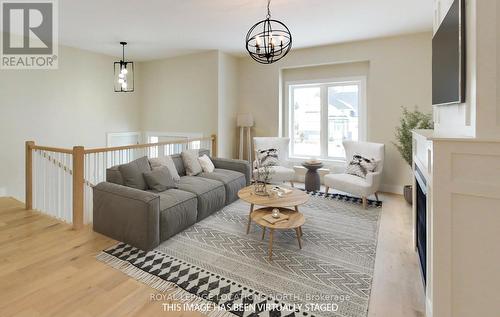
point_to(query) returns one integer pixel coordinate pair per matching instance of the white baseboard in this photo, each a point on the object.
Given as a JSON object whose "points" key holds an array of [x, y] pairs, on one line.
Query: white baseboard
{"points": [[393, 189], [3, 191]]}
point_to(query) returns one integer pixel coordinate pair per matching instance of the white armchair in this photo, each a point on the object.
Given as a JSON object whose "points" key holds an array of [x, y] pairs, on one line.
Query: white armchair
{"points": [[280, 173], [356, 185]]}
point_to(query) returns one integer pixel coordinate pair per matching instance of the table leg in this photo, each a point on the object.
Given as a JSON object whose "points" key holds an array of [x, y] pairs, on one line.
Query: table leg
{"points": [[263, 232], [271, 243], [300, 230], [297, 231], [249, 218], [297, 208]]}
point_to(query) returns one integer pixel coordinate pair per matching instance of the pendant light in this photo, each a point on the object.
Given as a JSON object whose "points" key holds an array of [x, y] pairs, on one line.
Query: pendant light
{"points": [[124, 73], [268, 40]]}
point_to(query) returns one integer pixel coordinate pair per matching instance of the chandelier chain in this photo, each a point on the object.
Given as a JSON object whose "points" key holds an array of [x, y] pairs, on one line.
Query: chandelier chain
{"points": [[268, 10]]}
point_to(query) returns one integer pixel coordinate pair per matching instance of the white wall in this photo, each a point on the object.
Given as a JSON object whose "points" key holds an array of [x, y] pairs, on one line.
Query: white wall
{"points": [[194, 93], [180, 94], [479, 116], [399, 75], [458, 120], [228, 106], [199, 93], [74, 105]]}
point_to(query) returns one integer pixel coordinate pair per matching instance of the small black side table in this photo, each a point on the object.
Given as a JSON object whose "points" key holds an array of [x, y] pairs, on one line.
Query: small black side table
{"points": [[313, 183]]}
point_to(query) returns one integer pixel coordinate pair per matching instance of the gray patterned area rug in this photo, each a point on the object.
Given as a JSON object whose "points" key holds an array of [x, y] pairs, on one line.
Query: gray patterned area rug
{"points": [[217, 263]]}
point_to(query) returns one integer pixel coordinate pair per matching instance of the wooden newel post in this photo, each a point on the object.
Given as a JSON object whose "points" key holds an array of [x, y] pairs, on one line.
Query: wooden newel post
{"points": [[29, 175], [214, 145], [78, 182]]}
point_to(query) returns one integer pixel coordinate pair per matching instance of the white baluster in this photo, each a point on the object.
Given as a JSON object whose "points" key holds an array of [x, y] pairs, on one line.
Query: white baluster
{"points": [[58, 191]]}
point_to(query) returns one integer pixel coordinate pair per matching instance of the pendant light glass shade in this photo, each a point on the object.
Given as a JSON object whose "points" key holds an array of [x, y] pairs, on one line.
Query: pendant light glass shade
{"points": [[124, 73]]}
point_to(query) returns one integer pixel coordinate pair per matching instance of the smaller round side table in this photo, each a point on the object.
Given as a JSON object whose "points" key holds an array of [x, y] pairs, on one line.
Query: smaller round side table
{"points": [[312, 181]]}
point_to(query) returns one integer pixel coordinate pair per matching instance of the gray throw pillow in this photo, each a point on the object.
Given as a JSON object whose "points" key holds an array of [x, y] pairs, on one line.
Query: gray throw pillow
{"points": [[132, 173], [190, 160], [167, 161], [160, 179]]}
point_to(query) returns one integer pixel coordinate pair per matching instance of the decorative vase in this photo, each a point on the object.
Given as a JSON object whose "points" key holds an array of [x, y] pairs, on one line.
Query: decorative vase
{"points": [[408, 193], [275, 213], [260, 188]]}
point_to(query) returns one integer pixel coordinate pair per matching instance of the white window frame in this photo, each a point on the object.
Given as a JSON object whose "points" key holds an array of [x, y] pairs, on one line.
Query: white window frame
{"points": [[111, 135], [178, 135], [324, 84]]}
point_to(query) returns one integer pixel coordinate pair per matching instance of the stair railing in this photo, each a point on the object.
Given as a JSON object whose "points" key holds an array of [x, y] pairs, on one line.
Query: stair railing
{"points": [[59, 181]]}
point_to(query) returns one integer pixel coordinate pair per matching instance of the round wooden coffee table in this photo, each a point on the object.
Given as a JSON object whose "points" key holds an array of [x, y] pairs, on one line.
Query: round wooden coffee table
{"points": [[294, 199], [295, 221]]}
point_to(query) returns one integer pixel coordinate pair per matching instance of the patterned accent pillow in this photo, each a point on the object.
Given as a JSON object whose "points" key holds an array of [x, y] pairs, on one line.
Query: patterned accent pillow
{"points": [[268, 157], [360, 166]]}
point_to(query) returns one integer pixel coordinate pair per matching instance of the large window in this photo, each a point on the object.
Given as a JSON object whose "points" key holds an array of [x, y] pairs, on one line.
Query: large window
{"points": [[323, 115]]}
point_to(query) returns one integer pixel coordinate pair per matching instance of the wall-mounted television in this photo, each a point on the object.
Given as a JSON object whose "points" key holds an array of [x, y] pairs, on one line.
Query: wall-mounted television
{"points": [[448, 57]]}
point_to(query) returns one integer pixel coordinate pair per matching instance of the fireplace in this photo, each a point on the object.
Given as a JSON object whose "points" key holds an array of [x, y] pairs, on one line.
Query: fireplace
{"points": [[421, 220]]}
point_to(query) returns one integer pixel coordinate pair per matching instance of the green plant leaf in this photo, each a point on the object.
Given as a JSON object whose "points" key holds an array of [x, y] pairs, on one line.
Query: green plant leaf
{"points": [[410, 120]]}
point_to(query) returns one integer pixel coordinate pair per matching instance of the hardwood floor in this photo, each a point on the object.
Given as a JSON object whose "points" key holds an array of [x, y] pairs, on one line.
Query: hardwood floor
{"points": [[48, 269]]}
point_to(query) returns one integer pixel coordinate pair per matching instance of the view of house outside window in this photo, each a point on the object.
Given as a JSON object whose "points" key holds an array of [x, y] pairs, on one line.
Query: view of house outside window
{"points": [[322, 116]]}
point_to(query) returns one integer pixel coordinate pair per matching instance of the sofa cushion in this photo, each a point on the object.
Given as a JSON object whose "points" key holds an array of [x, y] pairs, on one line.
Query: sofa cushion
{"points": [[159, 179], [206, 164], [113, 175], [349, 183], [211, 194], [178, 211], [179, 165], [233, 181], [167, 161], [132, 173], [191, 163]]}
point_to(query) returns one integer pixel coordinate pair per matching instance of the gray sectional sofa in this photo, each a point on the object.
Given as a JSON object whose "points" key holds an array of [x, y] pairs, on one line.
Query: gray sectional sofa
{"points": [[145, 218]]}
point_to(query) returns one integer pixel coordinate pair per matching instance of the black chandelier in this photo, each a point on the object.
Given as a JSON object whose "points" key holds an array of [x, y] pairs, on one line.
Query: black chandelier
{"points": [[124, 73], [269, 40]]}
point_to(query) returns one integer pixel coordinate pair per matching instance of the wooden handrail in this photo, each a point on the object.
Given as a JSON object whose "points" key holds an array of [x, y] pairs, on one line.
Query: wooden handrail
{"points": [[145, 145], [51, 149], [124, 147]]}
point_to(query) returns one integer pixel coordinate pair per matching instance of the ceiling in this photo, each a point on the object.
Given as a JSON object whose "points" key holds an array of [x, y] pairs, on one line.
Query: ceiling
{"points": [[162, 28]]}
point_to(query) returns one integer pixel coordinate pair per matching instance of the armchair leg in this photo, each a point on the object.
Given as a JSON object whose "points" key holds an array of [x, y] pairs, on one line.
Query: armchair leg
{"points": [[326, 190], [292, 184], [376, 196], [365, 202]]}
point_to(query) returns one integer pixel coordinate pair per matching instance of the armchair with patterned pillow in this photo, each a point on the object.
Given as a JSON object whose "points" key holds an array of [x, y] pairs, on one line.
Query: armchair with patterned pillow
{"points": [[273, 152], [365, 162]]}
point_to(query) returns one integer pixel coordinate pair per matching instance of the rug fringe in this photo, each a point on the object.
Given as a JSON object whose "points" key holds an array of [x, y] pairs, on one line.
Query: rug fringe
{"points": [[161, 285]]}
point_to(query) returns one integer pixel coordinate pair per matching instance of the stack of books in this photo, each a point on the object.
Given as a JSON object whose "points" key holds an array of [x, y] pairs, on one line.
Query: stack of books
{"points": [[269, 218]]}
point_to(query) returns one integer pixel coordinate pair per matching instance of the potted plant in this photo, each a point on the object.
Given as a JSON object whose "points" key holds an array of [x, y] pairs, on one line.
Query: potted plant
{"points": [[410, 120]]}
